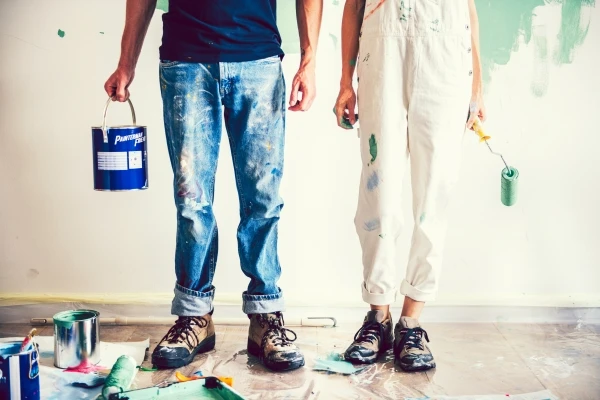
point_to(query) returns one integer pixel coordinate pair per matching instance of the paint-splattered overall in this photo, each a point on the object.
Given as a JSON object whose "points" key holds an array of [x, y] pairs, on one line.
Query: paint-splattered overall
{"points": [[414, 89], [251, 96]]}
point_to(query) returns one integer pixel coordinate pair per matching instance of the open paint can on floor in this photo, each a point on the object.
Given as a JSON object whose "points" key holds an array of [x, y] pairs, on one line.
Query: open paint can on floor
{"points": [[19, 372], [76, 338], [120, 155]]}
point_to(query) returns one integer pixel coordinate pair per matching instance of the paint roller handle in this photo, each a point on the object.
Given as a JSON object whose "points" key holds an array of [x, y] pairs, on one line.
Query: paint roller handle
{"points": [[104, 133]]}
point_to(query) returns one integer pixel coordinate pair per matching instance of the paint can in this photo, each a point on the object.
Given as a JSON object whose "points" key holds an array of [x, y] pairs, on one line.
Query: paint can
{"points": [[76, 338], [19, 372], [120, 155]]}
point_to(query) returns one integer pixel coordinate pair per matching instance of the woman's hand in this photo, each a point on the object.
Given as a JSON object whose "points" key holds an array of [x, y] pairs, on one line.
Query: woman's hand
{"points": [[476, 110], [344, 107]]}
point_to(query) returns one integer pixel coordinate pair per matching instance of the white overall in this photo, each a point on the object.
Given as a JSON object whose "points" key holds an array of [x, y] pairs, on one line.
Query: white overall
{"points": [[415, 79]]}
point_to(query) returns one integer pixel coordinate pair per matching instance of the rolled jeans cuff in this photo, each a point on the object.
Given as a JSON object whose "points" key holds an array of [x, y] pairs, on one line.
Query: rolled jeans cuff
{"points": [[263, 303], [191, 303]]}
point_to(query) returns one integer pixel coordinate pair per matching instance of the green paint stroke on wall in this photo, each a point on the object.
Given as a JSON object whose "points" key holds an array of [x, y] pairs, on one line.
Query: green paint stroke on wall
{"points": [[162, 5], [61, 33], [574, 27], [503, 23]]}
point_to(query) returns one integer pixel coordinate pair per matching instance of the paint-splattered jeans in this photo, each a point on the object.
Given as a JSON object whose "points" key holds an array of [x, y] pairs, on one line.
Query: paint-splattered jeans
{"points": [[414, 88], [251, 97]]}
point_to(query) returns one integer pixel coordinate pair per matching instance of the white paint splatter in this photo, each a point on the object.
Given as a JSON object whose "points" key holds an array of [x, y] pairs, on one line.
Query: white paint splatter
{"points": [[556, 367]]}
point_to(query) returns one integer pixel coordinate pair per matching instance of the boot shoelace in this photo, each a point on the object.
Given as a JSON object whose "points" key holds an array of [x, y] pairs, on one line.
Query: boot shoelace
{"points": [[369, 332], [413, 338], [183, 331], [277, 332]]}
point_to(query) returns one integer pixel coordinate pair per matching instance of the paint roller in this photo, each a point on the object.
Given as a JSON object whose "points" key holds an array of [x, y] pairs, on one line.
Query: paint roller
{"points": [[121, 377], [509, 176]]}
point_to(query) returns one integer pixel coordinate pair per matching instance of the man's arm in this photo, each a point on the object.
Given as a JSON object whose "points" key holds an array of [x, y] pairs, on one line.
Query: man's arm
{"points": [[308, 15], [137, 19], [476, 108]]}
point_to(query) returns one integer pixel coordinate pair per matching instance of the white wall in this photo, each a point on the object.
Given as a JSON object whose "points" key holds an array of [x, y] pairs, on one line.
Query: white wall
{"points": [[59, 236]]}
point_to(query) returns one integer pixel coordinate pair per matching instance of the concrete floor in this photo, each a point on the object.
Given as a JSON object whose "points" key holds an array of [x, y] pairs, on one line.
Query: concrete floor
{"points": [[472, 359]]}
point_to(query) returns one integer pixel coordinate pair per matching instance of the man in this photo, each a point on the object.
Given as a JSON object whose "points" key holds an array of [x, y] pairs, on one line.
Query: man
{"points": [[224, 58]]}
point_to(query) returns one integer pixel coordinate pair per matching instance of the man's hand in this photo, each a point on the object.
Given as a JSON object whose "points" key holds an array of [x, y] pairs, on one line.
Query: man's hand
{"points": [[117, 85], [304, 83]]}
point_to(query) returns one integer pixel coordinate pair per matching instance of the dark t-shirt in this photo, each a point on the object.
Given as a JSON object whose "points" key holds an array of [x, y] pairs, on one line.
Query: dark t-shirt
{"points": [[210, 31]]}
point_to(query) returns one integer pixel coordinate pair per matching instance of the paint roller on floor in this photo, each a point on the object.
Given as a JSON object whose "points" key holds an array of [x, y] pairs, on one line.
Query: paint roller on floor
{"points": [[509, 176], [121, 377]]}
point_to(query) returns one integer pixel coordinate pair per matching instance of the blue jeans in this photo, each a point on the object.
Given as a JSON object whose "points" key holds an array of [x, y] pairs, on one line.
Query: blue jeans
{"points": [[251, 97]]}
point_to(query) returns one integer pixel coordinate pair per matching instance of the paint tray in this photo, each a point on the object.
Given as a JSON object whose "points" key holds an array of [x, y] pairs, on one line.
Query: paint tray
{"points": [[210, 388]]}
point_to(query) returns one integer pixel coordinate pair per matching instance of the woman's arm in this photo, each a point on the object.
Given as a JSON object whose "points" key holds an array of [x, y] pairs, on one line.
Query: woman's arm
{"points": [[476, 108], [351, 25]]}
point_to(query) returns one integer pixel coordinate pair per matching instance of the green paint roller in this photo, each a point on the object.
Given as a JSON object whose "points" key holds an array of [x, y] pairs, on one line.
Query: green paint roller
{"points": [[121, 376], [509, 176]]}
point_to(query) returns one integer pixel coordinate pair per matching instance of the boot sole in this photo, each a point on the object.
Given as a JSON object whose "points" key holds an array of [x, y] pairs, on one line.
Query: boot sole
{"points": [[411, 368], [256, 351], [207, 344], [370, 359]]}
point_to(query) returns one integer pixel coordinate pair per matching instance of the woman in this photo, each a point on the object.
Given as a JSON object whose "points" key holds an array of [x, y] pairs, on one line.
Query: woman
{"points": [[419, 76]]}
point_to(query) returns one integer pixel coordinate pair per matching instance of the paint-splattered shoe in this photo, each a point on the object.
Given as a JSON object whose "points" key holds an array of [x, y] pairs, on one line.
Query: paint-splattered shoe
{"points": [[373, 338], [188, 337], [410, 351], [268, 340]]}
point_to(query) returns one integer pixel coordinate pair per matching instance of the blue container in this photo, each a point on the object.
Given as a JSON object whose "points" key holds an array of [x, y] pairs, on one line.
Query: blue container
{"points": [[120, 156], [19, 372]]}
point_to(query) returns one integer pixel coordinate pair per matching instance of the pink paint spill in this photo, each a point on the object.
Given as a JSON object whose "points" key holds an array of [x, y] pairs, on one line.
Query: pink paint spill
{"points": [[85, 367]]}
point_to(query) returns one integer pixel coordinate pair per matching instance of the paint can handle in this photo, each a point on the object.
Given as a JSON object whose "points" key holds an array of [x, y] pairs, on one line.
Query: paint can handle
{"points": [[104, 133]]}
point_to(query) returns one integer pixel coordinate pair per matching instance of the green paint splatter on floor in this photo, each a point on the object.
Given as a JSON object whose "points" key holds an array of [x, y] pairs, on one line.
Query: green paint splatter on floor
{"points": [[102, 33], [61, 33], [373, 147], [162, 5]]}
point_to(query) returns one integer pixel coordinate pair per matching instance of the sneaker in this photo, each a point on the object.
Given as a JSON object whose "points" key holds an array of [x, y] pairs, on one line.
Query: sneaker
{"points": [[373, 338], [188, 337], [268, 340], [411, 352]]}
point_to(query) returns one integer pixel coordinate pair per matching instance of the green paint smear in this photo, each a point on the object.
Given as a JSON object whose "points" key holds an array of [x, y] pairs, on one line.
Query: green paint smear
{"points": [[353, 63], [503, 23], [422, 218], [61, 33], [65, 319], [102, 33], [162, 5], [573, 29], [373, 147]]}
